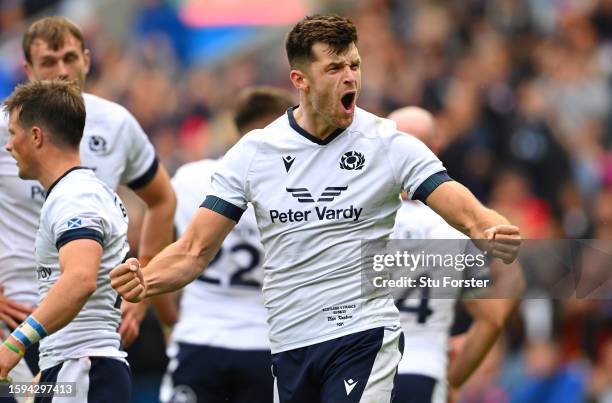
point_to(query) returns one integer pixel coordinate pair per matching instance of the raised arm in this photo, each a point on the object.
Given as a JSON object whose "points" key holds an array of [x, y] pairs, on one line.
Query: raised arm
{"points": [[460, 208], [179, 263], [421, 174]]}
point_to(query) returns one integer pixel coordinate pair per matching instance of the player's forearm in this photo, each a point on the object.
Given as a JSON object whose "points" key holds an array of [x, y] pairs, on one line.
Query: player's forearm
{"points": [[460, 208], [490, 316], [480, 338], [181, 262], [157, 229], [64, 301], [165, 305], [176, 266], [485, 218], [508, 286], [166, 308], [156, 234], [473, 219]]}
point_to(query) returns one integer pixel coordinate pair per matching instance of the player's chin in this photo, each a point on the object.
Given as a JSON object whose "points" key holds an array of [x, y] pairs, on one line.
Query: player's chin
{"points": [[24, 174], [344, 118]]}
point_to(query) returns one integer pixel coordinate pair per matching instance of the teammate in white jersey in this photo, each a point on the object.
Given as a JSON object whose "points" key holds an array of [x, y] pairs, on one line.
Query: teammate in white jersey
{"points": [[321, 179], [114, 146], [220, 349], [82, 235], [426, 321]]}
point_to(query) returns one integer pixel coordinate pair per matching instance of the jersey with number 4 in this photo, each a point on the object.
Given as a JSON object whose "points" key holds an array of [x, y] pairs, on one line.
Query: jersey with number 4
{"points": [[113, 145], [315, 202], [427, 313], [224, 306], [80, 206]]}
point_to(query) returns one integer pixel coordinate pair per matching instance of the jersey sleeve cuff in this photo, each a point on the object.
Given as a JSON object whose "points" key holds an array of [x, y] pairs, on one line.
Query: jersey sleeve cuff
{"points": [[222, 207], [429, 185], [145, 178], [79, 233]]}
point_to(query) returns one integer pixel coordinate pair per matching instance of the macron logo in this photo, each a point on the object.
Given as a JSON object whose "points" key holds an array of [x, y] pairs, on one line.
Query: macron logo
{"points": [[350, 385], [288, 160]]}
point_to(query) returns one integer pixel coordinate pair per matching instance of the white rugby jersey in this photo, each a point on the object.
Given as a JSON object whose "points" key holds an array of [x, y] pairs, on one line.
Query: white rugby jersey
{"points": [[80, 206], [315, 201], [224, 306], [113, 145], [426, 335]]}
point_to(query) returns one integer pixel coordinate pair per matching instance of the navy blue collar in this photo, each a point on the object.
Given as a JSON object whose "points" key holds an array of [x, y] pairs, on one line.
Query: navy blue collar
{"points": [[62, 177], [294, 125]]}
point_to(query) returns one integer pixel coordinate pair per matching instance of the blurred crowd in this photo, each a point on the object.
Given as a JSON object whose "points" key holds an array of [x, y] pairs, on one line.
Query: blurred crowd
{"points": [[522, 94]]}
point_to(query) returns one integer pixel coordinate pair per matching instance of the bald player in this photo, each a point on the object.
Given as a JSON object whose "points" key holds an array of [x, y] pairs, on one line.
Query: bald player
{"points": [[419, 123], [424, 373]]}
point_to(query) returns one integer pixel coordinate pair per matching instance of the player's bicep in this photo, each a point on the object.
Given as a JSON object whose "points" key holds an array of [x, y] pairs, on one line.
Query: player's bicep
{"points": [[80, 259]]}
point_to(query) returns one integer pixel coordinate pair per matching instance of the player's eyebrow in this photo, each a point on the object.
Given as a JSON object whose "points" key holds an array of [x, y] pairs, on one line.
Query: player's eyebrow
{"points": [[340, 63], [70, 53], [334, 65]]}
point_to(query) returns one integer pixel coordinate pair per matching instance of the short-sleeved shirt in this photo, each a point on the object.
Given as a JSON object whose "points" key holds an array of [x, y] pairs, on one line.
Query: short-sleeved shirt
{"points": [[80, 206], [315, 201], [117, 149]]}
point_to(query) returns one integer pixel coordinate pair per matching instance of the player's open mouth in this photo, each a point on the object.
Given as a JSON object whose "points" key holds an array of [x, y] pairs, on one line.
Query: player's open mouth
{"points": [[348, 101]]}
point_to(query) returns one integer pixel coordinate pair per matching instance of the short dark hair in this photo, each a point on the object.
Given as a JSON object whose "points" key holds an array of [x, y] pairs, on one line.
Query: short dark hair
{"points": [[53, 31], [335, 31], [259, 102], [56, 105]]}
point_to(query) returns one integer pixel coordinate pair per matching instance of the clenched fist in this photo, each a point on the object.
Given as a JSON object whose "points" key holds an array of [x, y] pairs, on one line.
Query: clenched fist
{"points": [[128, 281], [504, 242]]}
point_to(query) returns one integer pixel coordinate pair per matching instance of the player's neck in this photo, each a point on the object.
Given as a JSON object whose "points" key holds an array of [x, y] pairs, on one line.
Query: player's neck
{"points": [[308, 119], [56, 165]]}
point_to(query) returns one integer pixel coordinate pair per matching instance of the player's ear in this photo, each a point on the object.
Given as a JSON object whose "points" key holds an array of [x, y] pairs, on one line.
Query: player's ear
{"points": [[86, 60], [38, 136], [27, 67], [299, 80]]}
